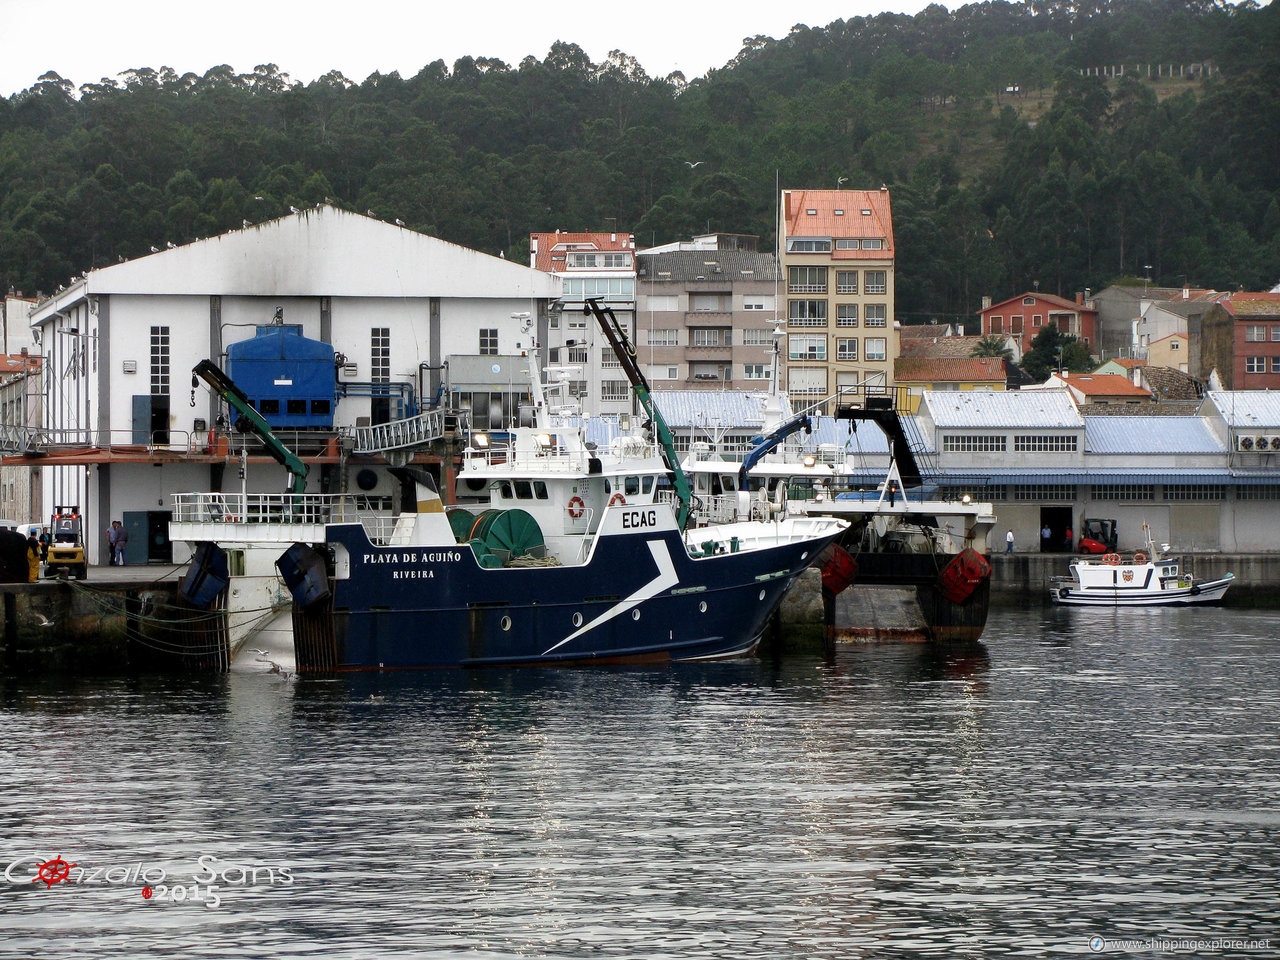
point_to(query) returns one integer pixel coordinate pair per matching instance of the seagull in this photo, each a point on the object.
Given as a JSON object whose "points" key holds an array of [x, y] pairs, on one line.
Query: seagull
{"points": [[275, 667], [399, 222], [155, 249], [261, 653], [170, 244], [244, 223], [293, 209], [44, 621], [691, 164]]}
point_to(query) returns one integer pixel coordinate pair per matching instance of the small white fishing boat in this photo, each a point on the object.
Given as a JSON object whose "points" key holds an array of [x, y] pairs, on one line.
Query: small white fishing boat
{"points": [[1142, 580]]}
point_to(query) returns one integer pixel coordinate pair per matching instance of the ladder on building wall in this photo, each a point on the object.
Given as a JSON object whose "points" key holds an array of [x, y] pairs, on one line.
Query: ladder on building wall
{"points": [[400, 434]]}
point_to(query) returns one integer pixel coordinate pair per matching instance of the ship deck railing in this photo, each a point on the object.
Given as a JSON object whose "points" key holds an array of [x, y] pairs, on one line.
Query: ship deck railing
{"points": [[274, 517]]}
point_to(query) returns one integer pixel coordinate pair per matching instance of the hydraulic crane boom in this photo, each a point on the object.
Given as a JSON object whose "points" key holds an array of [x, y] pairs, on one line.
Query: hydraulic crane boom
{"points": [[250, 420], [626, 355]]}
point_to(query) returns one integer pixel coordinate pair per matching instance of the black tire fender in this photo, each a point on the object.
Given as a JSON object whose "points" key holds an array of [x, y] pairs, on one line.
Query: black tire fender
{"points": [[1064, 592], [1195, 591]]}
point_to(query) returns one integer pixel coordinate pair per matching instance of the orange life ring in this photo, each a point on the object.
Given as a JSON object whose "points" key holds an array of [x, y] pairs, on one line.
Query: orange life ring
{"points": [[1139, 558], [616, 499], [1111, 558], [576, 507]]}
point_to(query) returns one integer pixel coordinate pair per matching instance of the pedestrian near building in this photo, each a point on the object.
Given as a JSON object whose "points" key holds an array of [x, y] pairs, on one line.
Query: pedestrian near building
{"points": [[45, 540], [1045, 536], [119, 543], [33, 556], [1069, 543], [1008, 542]]}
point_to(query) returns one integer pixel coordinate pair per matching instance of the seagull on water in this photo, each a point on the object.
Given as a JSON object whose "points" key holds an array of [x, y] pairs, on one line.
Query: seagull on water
{"points": [[44, 621]]}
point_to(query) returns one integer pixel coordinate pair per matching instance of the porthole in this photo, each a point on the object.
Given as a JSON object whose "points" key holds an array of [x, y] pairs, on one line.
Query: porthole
{"points": [[505, 623], [702, 607], [577, 619], [761, 594], [635, 614], [805, 555]]}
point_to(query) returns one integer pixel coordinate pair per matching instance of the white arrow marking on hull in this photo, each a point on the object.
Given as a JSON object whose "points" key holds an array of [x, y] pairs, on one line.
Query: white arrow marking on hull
{"points": [[665, 579]]}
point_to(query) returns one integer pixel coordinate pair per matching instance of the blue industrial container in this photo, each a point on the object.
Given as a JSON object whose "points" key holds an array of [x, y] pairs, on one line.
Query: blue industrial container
{"points": [[290, 379]]}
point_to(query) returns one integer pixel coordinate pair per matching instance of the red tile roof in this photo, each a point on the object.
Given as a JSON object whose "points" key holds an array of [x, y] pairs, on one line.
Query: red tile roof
{"points": [[1103, 384], [864, 214], [551, 247], [949, 369], [1048, 298], [1252, 304]]}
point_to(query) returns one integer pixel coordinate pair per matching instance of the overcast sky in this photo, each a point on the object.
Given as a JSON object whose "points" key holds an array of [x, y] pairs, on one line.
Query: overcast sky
{"points": [[86, 40]]}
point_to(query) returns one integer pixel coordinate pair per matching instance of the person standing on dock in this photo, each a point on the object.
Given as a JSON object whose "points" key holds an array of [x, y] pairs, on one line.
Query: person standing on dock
{"points": [[33, 556], [45, 540], [1045, 536], [118, 538], [1008, 542]]}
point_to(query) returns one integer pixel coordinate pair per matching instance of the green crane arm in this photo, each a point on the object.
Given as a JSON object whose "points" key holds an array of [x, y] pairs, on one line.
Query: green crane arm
{"points": [[249, 419], [626, 355]]}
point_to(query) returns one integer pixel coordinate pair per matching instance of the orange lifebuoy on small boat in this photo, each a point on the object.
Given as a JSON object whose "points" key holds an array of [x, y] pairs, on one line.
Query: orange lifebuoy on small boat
{"points": [[576, 507], [1139, 558], [1111, 558], [616, 499]]}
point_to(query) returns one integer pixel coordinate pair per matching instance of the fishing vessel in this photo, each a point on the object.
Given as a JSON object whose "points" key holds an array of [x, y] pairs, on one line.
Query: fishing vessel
{"points": [[564, 555], [916, 559], [1140, 580]]}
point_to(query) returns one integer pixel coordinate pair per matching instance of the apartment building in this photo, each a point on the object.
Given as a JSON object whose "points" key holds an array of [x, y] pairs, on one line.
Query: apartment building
{"points": [[706, 313], [837, 255], [589, 265]]}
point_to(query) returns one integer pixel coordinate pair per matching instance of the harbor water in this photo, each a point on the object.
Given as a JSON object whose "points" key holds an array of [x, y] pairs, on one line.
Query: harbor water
{"points": [[1085, 782]]}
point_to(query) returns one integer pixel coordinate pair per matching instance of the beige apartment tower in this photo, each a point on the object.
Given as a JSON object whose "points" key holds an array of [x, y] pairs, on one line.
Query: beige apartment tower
{"points": [[837, 257]]}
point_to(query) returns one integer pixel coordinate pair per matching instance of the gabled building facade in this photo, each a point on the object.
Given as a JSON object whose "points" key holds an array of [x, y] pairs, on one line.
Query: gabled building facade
{"points": [[589, 265], [838, 257], [963, 374], [1024, 316]]}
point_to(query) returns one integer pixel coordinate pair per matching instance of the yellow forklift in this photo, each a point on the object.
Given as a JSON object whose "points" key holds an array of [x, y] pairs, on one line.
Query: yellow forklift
{"points": [[66, 552]]}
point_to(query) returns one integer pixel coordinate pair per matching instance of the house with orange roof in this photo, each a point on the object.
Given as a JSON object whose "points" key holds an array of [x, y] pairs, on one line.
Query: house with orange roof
{"points": [[1095, 388], [1239, 339], [918, 374], [589, 265], [1024, 316]]}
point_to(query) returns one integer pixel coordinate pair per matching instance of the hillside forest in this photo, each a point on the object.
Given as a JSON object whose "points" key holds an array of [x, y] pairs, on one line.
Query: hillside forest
{"points": [[1012, 162]]}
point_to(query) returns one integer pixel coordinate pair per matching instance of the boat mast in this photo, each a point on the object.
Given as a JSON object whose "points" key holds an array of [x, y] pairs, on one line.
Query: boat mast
{"points": [[626, 355]]}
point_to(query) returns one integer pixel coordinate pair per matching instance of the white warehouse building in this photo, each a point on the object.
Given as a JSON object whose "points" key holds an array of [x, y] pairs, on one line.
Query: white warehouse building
{"points": [[123, 426]]}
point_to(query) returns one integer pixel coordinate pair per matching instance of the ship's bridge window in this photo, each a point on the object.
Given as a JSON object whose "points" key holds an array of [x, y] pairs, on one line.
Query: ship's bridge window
{"points": [[646, 484], [504, 490], [631, 486], [539, 490], [524, 490]]}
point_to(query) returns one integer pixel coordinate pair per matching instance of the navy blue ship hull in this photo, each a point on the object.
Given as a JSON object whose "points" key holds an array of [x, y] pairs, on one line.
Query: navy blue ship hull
{"points": [[640, 599]]}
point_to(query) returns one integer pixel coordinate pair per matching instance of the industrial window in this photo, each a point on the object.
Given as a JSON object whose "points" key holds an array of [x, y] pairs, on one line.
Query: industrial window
{"points": [[1044, 444], [1122, 491], [380, 351], [488, 342], [1255, 364], [806, 279], [1042, 492], [973, 443], [875, 281], [1254, 333], [846, 314], [1201, 492], [1275, 333], [876, 314], [846, 281], [1262, 491], [159, 361]]}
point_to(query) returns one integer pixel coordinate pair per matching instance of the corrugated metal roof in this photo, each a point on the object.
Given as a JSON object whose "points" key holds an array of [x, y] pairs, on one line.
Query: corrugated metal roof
{"points": [[1149, 435], [716, 408], [1118, 475], [1001, 408], [1248, 409]]}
